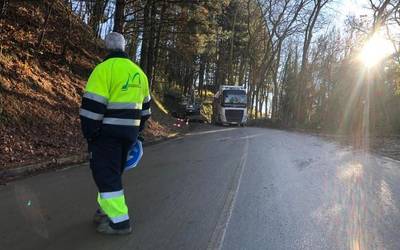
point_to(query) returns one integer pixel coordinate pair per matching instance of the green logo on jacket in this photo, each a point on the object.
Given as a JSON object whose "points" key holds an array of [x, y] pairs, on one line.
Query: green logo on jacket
{"points": [[130, 82]]}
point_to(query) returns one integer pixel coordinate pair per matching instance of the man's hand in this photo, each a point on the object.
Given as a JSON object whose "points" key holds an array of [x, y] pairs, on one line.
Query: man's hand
{"points": [[140, 138]]}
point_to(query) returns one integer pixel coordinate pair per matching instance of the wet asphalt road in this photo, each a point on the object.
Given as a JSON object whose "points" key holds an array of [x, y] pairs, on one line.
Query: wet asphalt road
{"points": [[220, 188]]}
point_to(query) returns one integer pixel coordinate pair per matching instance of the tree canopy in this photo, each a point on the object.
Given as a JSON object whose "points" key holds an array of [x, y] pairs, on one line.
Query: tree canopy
{"points": [[300, 67]]}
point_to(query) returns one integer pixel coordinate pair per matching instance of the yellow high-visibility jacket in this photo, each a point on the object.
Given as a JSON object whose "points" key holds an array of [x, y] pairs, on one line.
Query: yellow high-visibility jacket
{"points": [[116, 101]]}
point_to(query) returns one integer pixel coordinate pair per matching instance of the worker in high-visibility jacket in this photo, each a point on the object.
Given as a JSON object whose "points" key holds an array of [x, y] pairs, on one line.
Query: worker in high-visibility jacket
{"points": [[115, 107]]}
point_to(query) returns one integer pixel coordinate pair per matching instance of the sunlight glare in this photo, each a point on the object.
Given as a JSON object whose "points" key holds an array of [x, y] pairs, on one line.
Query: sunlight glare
{"points": [[351, 171], [375, 50]]}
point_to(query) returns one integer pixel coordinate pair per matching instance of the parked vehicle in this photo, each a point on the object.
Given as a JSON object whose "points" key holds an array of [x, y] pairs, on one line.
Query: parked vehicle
{"points": [[230, 106], [189, 107]]}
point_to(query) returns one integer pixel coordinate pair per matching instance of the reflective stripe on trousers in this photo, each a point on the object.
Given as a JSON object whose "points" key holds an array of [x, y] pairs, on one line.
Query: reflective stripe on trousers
{"points": [[114, 206]]}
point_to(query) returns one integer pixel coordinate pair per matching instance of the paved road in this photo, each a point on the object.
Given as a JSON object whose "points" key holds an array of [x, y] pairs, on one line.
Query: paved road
{"points": [[224, 188]]}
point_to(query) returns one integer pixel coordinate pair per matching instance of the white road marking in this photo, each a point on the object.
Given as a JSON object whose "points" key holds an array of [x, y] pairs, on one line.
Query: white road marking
{"points": [[242, 137], [217, 238], [210, 132]]}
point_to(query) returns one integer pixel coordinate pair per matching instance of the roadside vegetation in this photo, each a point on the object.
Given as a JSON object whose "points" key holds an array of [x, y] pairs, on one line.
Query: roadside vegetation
{"points": [[304, 63]]}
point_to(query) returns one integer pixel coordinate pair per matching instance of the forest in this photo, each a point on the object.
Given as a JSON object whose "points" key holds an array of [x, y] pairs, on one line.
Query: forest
{"points": [[301, 66]]}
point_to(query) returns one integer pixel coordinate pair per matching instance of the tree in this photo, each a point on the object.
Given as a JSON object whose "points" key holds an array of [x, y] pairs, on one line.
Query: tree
{"points": [[46, 21], [292, 75], [304, 102], [96, 14], [119, 16], [3, 7]]}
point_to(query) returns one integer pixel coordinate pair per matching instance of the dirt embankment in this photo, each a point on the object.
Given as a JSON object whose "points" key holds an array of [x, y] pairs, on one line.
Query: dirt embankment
{"points": [[41, 85]]}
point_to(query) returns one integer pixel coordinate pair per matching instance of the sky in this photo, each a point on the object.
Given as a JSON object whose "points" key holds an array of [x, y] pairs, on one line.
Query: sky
{"points": [[344, 8]]}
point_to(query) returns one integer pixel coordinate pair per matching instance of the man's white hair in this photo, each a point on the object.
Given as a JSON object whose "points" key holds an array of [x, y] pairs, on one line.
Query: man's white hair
{"points": [[115, 41]]}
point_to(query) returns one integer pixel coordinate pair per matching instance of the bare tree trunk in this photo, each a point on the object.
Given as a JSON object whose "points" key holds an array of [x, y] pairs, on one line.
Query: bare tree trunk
{"points": [[261, 102], [274, 101], [256, 101], [68, 10], [119, 16], [201, 73], [158, 39], [230, 77], [275, 97], [250, 93], [206, 80], [46, 21], [133, 46], [267, 100], [150, 51], [3, 7], [81, 13], [280, 104], [242, 69], [146, 37], [253, 97], [302, 108], [96, 15]]}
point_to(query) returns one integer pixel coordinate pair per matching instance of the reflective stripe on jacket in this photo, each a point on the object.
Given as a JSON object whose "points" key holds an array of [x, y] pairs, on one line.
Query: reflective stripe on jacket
{"points": [[116, 101]]}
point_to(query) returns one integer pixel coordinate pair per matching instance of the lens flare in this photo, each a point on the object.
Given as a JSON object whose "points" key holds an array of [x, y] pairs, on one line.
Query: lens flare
{"points": [[376, 50]]}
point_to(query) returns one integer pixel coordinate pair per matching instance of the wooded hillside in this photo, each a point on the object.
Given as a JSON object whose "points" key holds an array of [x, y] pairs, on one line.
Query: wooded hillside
{"points": [[46, 56]]}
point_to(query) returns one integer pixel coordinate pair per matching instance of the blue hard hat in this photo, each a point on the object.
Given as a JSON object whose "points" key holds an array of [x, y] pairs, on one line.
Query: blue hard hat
{"points": [[135, 153]]}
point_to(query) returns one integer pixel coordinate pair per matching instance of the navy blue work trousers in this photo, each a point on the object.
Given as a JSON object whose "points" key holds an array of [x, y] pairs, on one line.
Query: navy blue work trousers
{"points": [[107, 159]]}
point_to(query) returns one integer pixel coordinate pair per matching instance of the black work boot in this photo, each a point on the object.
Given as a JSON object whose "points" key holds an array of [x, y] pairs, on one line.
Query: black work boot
{"points": [[107, 228], [100, 217]]}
